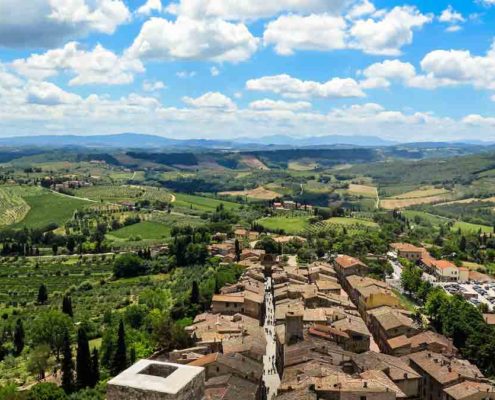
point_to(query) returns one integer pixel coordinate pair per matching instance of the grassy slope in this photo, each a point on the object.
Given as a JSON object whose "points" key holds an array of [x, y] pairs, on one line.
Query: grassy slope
{"points": [[291, 225], [201, 203], [47, 207], [352, 221], [145, 229]]}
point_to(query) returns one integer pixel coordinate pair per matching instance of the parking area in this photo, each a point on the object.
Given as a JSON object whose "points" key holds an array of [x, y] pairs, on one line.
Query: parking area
{"points": [[475, 292]]}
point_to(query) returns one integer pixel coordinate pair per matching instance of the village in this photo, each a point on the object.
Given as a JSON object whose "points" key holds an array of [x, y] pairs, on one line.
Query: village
{"points": [[323, 330]]}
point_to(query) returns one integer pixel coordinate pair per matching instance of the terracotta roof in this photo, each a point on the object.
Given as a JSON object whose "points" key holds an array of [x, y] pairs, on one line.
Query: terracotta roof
{"points": [[407, 247], [467, 389], [489, 319], [228, 298], [205, 360], [347, 261], [443, 369]]}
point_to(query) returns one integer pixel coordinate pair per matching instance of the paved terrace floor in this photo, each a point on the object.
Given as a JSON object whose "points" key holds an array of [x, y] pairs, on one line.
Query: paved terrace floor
{"points": [[270, 375]]}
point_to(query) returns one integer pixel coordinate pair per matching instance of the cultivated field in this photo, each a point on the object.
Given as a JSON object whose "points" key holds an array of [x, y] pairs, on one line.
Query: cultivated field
{"points": [[199, 203], [13, 208], [352, 222], [254, 163], [123, 193], [143, 230], [290, 225], [363, 190], [427, 195], [260, 193]]}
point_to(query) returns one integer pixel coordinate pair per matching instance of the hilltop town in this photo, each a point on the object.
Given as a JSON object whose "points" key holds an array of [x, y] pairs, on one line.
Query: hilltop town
{"points": [[323, 330]]}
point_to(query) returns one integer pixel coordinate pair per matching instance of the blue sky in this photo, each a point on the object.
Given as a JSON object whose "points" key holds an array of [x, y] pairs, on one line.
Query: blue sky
{"points": [[412, 70]]}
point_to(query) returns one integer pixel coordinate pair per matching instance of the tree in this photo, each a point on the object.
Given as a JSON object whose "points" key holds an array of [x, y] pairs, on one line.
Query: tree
{"points": [[38, 360], [268, 244], [238, 250], [46, 391], [19, 336], [49, 328], [195, 293], [95, 368], [83, 361], [67, 306], [67, 365], [129, 265], [42, 294], [119, 362]]}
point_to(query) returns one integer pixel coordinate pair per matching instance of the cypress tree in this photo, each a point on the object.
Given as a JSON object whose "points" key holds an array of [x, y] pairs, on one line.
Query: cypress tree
{"points": [[83, 360], [42, 294], [119, 362], [95, 368], [67, 365], [67, 306], [238, 250], [19, 336], [195, 293]]}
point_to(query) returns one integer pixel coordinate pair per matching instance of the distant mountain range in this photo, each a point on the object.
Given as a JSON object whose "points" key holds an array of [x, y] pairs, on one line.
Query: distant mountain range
{"points": [[144, 141], [132, 140]]}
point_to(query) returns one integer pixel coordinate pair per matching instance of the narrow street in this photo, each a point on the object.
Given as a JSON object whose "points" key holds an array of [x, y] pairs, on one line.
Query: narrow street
{"points": [[270, 375]]}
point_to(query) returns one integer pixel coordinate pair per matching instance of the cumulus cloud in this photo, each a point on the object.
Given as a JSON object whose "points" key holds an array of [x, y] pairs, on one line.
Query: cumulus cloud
{"points": [[313, 32], [268, 104], [49, 22], [191, 39], [288, 86], [253, 9], [42, 106], [211, 100], [46, 93], [389, 32], [153, 86], [98, 66], [150, 6], [382, 32], [449, 15]]}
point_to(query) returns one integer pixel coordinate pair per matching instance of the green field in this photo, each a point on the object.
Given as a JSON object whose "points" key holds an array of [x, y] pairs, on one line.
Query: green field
{"points": [[145, 230], [204, 204], [433, 219], [13, 208], [466, 227], [47, 207], [345, 221], [123, 193], [291, 225]]}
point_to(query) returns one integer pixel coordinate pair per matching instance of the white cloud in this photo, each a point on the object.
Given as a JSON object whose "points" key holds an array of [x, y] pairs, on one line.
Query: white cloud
{"points": [[253, 9], [100, 15], [49, 22], [211, 100], [362, 9], [388, 33], [186, 74], [150, 6], [313, 32], [449, 15], [461, 67], [153, 86], [41, 107], [288, 86], [46, 93], [479, 121], [214, 71], [99, 66], [189, 39], [268, 104]]}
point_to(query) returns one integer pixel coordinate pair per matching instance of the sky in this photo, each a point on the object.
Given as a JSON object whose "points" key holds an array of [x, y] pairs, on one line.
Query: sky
{"points": [[408, 70]]}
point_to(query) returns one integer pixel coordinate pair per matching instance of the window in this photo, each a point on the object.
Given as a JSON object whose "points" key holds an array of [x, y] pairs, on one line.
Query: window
{"points": [[362, 398]]}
